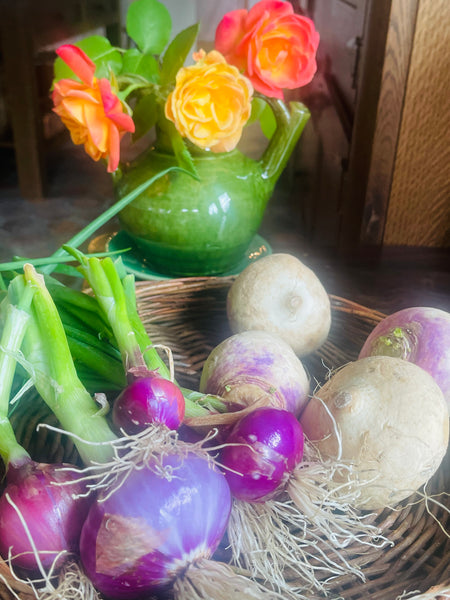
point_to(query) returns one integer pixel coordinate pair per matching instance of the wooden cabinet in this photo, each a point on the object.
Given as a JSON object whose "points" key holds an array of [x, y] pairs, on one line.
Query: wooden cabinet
{"points": [[374, 163], [30, 30]]}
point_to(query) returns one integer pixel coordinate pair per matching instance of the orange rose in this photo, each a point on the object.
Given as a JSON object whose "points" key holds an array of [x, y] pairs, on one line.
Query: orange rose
{"points": [[273, 46], [211, 102], [89, 109]]}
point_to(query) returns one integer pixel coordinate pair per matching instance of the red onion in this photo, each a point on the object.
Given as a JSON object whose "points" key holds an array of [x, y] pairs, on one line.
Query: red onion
{"points": [[268, 444], [52, 515], [144, 535], [147, 400]]}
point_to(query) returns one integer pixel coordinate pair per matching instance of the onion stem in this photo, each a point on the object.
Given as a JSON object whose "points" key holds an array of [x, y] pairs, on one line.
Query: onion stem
{"points": [[57, 380], [16, 318]]}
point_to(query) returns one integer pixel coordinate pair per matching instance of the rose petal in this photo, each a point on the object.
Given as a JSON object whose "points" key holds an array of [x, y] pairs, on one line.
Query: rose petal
{"points": [[230, 31], [78, 61], [114, 149]]}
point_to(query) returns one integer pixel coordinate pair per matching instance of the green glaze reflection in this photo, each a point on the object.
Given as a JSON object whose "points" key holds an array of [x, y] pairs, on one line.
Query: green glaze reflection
{"points": [[203, 227]]}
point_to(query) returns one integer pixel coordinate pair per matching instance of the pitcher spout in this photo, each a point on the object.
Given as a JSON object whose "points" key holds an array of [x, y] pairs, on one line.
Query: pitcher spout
{"points": [[291, 121]]}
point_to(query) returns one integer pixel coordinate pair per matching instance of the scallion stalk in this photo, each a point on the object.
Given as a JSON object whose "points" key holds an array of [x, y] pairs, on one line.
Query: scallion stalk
{"points": [[16, 306], [57, 380], [40, 521]]}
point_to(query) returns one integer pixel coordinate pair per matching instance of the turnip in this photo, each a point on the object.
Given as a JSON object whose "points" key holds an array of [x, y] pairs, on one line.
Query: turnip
{"points": [[280, 294], [388, 419], [256, 367], [420, 335]]}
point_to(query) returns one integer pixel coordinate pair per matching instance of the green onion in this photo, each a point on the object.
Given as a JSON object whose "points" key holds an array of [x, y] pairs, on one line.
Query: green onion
{"points": [[115, 293], [15, 306], [56, 378]]}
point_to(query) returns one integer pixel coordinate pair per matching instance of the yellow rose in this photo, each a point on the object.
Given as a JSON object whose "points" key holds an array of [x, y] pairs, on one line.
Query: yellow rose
{"points": [[211, 102]]}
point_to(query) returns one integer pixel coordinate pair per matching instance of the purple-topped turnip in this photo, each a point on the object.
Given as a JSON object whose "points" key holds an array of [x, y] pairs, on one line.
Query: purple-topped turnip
{"points": [[256, 367], [420, 335]]}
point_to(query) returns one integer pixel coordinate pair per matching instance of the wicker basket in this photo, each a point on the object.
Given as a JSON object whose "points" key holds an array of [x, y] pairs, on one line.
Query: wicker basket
{"points": [[188, 315]]}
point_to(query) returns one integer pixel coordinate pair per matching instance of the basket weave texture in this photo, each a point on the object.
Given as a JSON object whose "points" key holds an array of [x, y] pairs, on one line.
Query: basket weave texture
{"points": [[189, 316]]}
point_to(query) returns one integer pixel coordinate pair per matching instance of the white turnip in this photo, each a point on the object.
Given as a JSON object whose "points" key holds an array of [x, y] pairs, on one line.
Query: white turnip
{"points": [[256, 366], [280, 294], [388, 418], [420, 335]]}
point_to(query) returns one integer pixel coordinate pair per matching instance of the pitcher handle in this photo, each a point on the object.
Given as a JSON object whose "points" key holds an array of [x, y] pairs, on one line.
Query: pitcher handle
{"points": [[291, 121]]}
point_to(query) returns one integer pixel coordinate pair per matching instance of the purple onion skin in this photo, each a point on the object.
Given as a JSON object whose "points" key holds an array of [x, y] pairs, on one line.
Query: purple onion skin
{"points": [[148, 400], [420, 335], [150, 529], [274, 446], [53, 517]]}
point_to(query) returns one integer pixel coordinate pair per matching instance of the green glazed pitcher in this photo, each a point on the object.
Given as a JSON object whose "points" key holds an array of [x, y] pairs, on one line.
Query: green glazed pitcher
{"points": [[190, 227]]}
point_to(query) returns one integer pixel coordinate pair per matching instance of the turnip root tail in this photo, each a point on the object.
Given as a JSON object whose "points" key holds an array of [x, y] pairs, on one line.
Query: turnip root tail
{"points": [[210, 579]]}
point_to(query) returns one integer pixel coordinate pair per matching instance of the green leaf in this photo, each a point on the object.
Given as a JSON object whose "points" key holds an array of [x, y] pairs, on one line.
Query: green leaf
{"points": [[149, 25], [179, 147], [177, 53], [99, 49], [145, 115], [144, 65], [267, 122], [106, 57]]}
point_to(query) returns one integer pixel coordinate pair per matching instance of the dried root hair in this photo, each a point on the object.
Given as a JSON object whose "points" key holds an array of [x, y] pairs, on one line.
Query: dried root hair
{"points": [[436, 592], [73, 584], [326, 492], [208, 579], [297, 541], [145, 450], [276, 544]]}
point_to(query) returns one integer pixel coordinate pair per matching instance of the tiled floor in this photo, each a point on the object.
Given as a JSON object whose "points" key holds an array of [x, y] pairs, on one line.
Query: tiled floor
{"points": [[79, 190]]}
